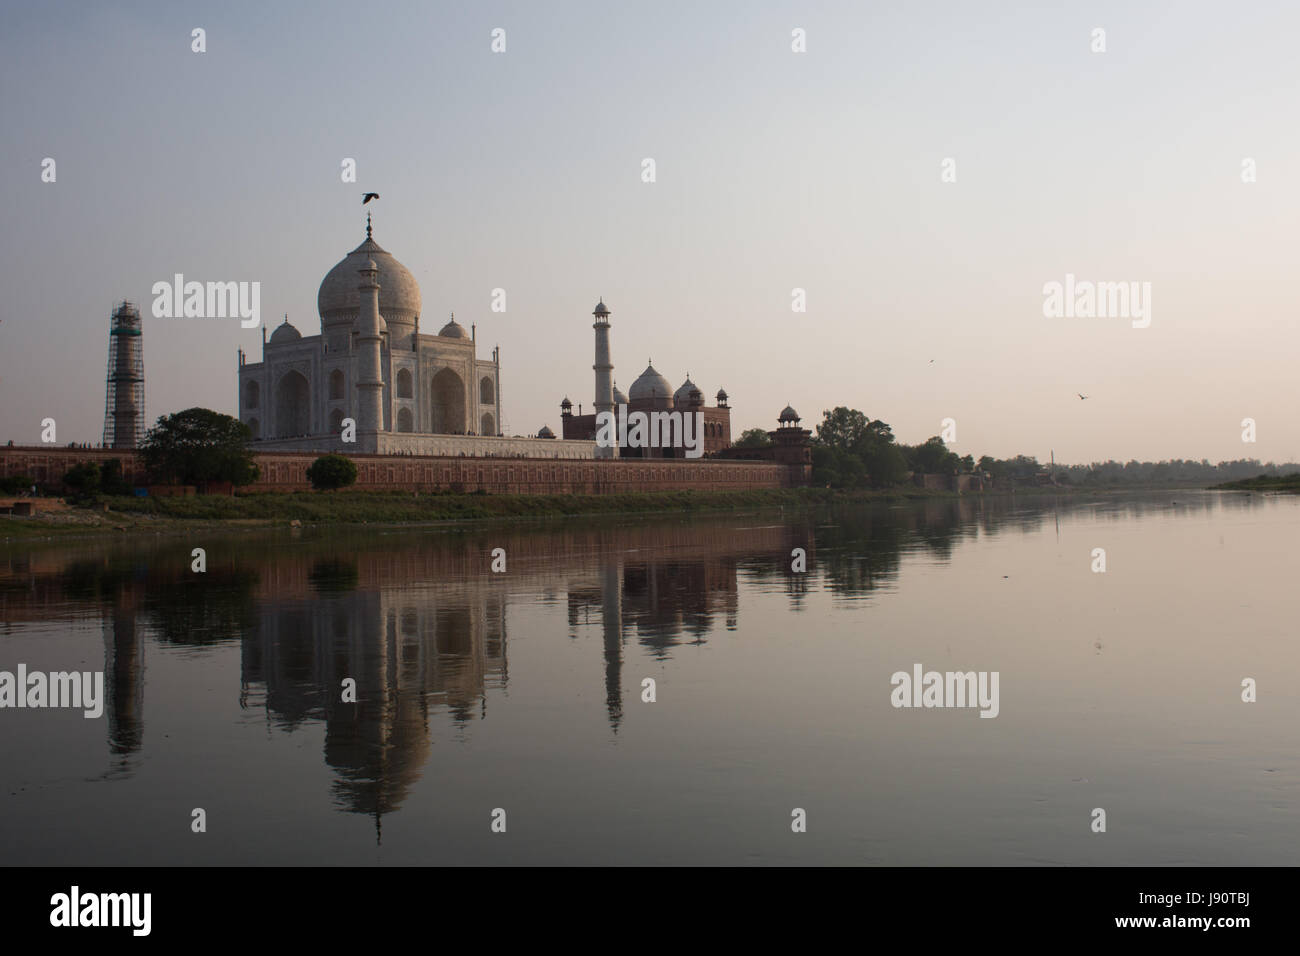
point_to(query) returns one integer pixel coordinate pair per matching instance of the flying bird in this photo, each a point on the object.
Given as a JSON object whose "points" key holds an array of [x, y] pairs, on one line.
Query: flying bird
{"points": [[368, 197], [1081, 396]]}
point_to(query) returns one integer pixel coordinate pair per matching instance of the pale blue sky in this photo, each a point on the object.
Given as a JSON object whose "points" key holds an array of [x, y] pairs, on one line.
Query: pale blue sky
{"points": [[775, 170]]}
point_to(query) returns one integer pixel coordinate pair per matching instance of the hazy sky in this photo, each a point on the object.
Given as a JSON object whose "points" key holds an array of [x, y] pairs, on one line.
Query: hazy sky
{"points": [[775, 170]]}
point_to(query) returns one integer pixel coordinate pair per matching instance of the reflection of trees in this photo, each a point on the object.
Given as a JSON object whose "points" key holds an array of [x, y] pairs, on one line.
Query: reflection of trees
{"points": [[859, 549], [202, 609], [334, 575]]}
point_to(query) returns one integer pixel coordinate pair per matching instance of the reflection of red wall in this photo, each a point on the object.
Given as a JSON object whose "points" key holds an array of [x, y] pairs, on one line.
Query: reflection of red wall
{"points": [[286, 471]]}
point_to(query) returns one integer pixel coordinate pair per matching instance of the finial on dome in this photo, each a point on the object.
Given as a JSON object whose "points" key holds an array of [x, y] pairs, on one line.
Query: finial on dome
{"points": [[367, 225]]}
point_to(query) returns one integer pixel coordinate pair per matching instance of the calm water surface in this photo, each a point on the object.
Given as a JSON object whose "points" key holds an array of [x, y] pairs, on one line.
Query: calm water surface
{"points": [[523, 690]]}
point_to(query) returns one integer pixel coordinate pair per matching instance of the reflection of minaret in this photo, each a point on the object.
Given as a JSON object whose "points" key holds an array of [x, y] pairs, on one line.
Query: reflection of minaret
{"points": [[611, 612], [124, 684]]}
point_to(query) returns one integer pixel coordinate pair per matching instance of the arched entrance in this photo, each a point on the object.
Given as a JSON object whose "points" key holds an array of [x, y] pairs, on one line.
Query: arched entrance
{"points": [[448, 393], [292, 406], [486, 425]]}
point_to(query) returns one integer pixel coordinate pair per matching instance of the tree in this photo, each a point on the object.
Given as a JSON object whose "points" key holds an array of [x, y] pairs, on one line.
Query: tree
{"points": [[111, 479], [331, 471], [199, 446], [933, 458], [16, 484], [886, 464], [83, 479], [753, 438], [843, 429], [858, 450]]}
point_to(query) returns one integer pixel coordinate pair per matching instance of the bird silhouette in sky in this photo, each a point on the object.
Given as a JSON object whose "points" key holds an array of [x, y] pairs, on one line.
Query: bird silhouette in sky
{"points": [[1081, 395], [368, 197]]}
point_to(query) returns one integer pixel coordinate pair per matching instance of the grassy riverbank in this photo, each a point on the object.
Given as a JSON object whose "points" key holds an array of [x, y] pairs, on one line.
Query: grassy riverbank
{"points": [[154, 515], [353, 507], [1282, 483]]}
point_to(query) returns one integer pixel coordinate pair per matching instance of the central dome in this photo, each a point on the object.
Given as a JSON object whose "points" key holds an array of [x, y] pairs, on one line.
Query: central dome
{"points": [[399, 294], [650, 384]]}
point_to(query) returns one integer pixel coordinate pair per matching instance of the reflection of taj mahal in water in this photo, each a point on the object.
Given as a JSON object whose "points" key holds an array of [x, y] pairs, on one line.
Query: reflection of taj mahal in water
{"points": [[421, 650]]}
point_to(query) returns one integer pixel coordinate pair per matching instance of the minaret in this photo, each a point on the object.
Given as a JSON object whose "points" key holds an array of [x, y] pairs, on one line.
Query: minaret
{"points": [[604, 372], [370, 381], [124, 422]]}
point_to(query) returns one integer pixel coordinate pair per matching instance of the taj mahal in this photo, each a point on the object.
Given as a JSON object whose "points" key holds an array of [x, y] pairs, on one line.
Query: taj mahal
{"points": [[411, 393], [372, 364]]}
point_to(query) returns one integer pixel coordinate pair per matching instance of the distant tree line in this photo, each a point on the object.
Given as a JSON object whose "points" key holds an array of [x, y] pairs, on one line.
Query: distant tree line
{"points": [[1176, 470], [852, 450]]}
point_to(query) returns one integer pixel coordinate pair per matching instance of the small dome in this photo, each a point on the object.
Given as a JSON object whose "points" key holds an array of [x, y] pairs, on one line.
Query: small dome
{"points": [[722, 395], [285, 333], [546, 432], [566, 403], [650, 384], [600, 308], [454, 330], [788, 414], [683, 395], [619, 397]]}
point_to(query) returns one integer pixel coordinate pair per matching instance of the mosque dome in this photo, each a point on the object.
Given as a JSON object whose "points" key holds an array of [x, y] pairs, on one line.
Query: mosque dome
{"points": [[788, 414], [683, 395], [619, 397], [399, 294], [454, 330], [722, 396], [284, 333], [650, 384], [600, 308], [546, 432]]}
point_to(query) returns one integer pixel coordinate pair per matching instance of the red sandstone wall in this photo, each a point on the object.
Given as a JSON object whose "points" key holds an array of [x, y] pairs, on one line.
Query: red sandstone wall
{"points": [[286, 471], [48, 463]]}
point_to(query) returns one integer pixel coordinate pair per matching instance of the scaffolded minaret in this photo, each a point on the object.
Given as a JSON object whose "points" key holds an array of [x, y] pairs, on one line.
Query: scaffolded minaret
{"points": [[124, 404]]}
